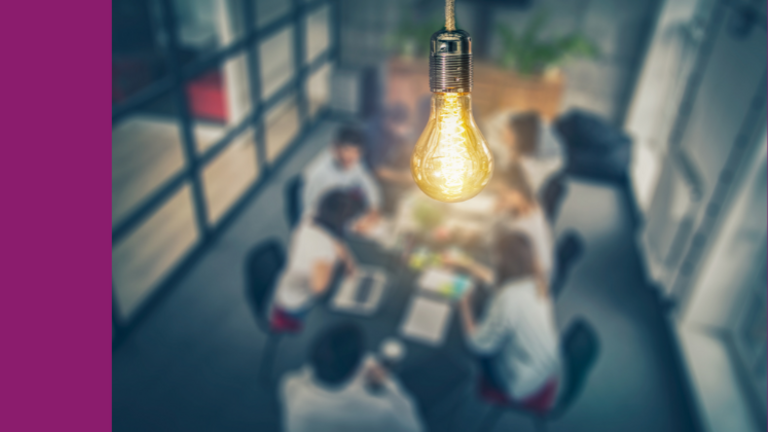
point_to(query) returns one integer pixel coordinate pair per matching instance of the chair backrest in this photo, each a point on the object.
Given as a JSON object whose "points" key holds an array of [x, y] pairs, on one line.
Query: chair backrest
{"points": [[293, 190], [262, 268], [552, 196], [570, 247], [580, 348]]}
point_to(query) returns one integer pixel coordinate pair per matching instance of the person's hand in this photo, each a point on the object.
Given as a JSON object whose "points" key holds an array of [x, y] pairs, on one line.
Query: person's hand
{"points": [[455, 259], [350, 267], [349, 262], [376, 375], [366, 223], [464, 301]]}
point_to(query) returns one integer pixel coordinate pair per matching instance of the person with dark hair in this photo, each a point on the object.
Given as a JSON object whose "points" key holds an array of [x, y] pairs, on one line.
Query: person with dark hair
{"points": [[527, 139], [388, 154], [316, 246], [344, 389], [518, 209], [390, 145], [517, 338], [340, 168]]}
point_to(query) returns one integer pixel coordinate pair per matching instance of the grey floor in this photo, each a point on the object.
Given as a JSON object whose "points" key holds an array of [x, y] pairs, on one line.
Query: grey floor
{"points": [[192, 363]]}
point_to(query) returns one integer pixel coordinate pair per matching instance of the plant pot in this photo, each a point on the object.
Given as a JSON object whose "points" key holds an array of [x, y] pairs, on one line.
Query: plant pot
{"points": [[495, 89], [498, 89]]}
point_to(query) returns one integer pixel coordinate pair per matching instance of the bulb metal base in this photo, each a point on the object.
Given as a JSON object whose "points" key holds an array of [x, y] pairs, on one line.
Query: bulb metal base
{"points": [[450, 62]]}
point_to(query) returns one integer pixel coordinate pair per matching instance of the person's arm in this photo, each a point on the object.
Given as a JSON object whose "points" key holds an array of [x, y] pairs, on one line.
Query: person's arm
{"points": [[370, 188], [313, 183], [474, 268], [403, 177], [404, 417], [346, 257], [322, 271], [487, 336]]}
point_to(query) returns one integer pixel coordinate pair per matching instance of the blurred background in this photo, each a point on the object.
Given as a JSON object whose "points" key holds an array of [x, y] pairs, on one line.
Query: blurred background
{"points": [[660, 107]]}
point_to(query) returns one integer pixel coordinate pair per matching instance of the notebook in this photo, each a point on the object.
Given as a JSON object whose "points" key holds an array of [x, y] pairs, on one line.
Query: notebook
{"points": [[426, 321]]}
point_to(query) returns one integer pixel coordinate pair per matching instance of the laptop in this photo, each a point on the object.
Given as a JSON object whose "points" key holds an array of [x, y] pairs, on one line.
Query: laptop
{"points": [[361, 292]]}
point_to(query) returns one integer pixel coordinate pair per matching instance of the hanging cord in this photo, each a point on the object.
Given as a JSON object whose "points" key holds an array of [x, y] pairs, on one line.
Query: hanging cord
{"points": [[450, 15]]}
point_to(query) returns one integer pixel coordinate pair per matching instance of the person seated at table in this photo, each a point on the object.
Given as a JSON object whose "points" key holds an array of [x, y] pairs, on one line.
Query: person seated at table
{"points": [[340, 168], [390, 144], [518, 208], [316, 247], [525, 135], [388, 153], [343, 389], [517, 338]]}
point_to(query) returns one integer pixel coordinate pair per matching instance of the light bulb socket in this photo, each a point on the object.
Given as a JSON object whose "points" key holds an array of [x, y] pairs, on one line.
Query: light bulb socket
{"points": [[450, 62]]}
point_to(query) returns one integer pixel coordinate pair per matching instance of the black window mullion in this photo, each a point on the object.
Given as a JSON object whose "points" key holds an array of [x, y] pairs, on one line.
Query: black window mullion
{"points": [[335, 24], [254, 67], [300, 18], [187, 131]]}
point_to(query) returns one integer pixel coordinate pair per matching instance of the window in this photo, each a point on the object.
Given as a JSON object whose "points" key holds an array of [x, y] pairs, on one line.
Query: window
{"points": [[138, 57], [219, 100], [319, 89], [268, 11], [185, 115], [229, 175], [282, 123], [150, 252], [276, 60], [146, 153], [317, 35]]}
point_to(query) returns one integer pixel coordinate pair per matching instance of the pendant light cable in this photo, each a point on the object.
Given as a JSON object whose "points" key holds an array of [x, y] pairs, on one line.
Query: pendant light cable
{"points": [[450, 15]]}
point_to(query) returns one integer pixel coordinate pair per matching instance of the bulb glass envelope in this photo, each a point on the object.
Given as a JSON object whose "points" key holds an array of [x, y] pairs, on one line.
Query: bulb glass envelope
{"points": [[451, 161]]}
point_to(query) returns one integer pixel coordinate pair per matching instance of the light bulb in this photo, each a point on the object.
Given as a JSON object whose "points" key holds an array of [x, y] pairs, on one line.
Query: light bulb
{"points": [[451, 161]]}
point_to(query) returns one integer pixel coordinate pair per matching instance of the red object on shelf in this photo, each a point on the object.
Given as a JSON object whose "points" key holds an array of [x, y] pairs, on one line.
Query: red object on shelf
{"points": [[206, 97]]}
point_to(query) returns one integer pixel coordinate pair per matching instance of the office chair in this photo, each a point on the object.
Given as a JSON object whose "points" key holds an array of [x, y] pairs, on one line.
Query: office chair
{"points": [[552, 196], [293, 191], [580, 348], [262, 268], [569, 249]]}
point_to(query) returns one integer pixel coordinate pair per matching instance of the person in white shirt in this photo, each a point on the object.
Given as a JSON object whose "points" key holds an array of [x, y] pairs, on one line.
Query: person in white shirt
{"points": [[340, 167], [316, 247], [525, 138], [343, 390], [517, 338], [518, 209]]}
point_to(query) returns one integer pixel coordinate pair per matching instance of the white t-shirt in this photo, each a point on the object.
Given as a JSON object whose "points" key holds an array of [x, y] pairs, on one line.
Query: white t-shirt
{"points": [[536, 227], [324, 175], [309, 407], [310, 244], [519, 329]]}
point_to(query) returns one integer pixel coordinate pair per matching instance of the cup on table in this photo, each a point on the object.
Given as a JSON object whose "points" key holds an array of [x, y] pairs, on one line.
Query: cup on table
{"points": [[391, 353]]}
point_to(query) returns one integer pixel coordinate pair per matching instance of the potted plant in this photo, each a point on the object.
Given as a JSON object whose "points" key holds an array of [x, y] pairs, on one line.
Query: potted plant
{"points": [[530, 55], [529, 77]]}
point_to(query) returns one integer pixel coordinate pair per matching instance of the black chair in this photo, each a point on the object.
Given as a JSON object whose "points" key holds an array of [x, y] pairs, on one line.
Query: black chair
{"points": [[595, 148], [262, 268], [293, 190], [570, 247], [552, 196], [580, 348]]}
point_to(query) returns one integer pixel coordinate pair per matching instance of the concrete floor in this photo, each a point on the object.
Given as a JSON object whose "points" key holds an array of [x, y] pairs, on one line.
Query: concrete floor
{"points": [[192, 363]]}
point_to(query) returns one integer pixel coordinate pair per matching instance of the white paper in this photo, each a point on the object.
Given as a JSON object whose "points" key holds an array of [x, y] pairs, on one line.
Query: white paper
{"points": [[426, 321], [434, 279], [444, 282]]}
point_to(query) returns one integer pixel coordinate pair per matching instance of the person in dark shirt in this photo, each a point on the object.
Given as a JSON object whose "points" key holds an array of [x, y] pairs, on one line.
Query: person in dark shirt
{"points": [[390, 144]]}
